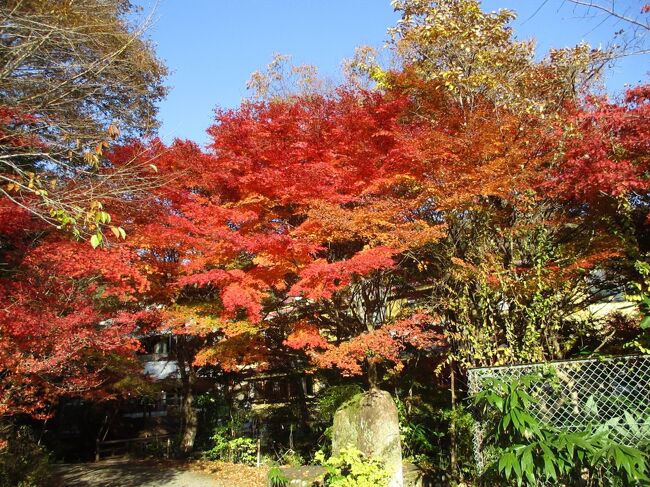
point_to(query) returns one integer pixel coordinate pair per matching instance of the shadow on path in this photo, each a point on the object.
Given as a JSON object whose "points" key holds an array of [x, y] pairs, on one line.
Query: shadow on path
{"points": [[124, 474]]}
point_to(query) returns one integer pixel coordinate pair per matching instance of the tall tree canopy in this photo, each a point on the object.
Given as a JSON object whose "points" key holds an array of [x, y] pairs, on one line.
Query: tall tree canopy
{"points": [[318, 217], [74, 77], [294, 203], [472, 206]]}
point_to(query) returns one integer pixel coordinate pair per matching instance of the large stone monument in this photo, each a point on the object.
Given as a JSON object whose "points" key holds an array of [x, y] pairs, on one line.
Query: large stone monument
{"points": [[369, 422]]}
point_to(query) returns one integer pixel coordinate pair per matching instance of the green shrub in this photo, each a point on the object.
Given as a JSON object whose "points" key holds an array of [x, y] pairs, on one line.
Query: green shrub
{"points": [[425, 437], [352, 469], [23, 463], [328, 401], [214, 409], [276, 478], [524, 450], [416, 438], [290, 457], [231, 449]]}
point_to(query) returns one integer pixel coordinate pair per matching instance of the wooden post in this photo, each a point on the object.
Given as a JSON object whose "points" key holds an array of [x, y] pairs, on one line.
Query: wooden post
{"points": [[97, 449], [259, 452]]}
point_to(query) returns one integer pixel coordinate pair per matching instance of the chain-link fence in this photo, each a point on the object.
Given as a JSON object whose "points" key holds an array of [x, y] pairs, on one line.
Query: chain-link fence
{"points": [[574, 395]]}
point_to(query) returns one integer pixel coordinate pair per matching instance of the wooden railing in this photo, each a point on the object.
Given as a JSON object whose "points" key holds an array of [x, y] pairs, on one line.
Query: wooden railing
{"points": [[127, 445]]}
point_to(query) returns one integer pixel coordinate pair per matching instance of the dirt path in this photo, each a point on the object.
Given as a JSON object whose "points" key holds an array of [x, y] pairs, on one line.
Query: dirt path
{"points": [[124, 474]]}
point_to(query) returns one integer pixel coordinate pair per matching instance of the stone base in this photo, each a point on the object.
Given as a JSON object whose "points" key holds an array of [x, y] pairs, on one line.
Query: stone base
{"points": [[369, 422]]}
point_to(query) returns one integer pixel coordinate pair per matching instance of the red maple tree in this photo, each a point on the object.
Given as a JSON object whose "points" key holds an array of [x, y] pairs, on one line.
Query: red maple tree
{"points": [[68, 314], [297, 207]]}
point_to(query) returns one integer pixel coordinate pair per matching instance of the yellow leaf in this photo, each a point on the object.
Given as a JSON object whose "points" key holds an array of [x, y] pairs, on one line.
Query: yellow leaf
{"points": [[113, 131]]}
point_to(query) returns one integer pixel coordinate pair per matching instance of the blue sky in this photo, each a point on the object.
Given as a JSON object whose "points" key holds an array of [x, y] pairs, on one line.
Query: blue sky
{"points": [[212, 46]]}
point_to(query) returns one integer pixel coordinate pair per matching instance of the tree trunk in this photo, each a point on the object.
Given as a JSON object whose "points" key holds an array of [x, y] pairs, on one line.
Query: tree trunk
{"points": [[453, 445], [189, 418], [302, 402], [373, 375]]}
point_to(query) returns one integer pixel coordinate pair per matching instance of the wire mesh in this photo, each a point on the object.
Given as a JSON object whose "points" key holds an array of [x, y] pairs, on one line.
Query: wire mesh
{"points": [[574, 395]]}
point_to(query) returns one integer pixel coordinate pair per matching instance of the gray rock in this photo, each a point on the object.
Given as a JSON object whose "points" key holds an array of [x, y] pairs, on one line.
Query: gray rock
{"points": [[369, 422]]}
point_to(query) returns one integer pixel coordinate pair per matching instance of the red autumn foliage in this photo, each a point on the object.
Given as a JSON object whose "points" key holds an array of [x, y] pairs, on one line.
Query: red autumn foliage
{"points": [[314, 203], [305, 336], [321, 279], [15, 127], [380, 345], [65, 322], [607, 149], [303, 220], [260, 219]]}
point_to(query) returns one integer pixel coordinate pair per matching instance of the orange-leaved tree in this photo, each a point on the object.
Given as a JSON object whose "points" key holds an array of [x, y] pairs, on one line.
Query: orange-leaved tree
{"points": [[296, 224]]}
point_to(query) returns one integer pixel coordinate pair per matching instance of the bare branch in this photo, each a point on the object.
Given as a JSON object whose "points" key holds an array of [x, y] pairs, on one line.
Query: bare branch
{"points": [[611, 10], [75, 77]]}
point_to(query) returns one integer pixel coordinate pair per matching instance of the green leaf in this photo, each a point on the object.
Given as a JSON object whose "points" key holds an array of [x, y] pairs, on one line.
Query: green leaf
{"points": [[590, 405], [96, 240], [516, 465], [496, 401], [514, 398], [527, 460], [526, 398], [549, 462], [645, 323], [506, 462], [632, 423]]}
